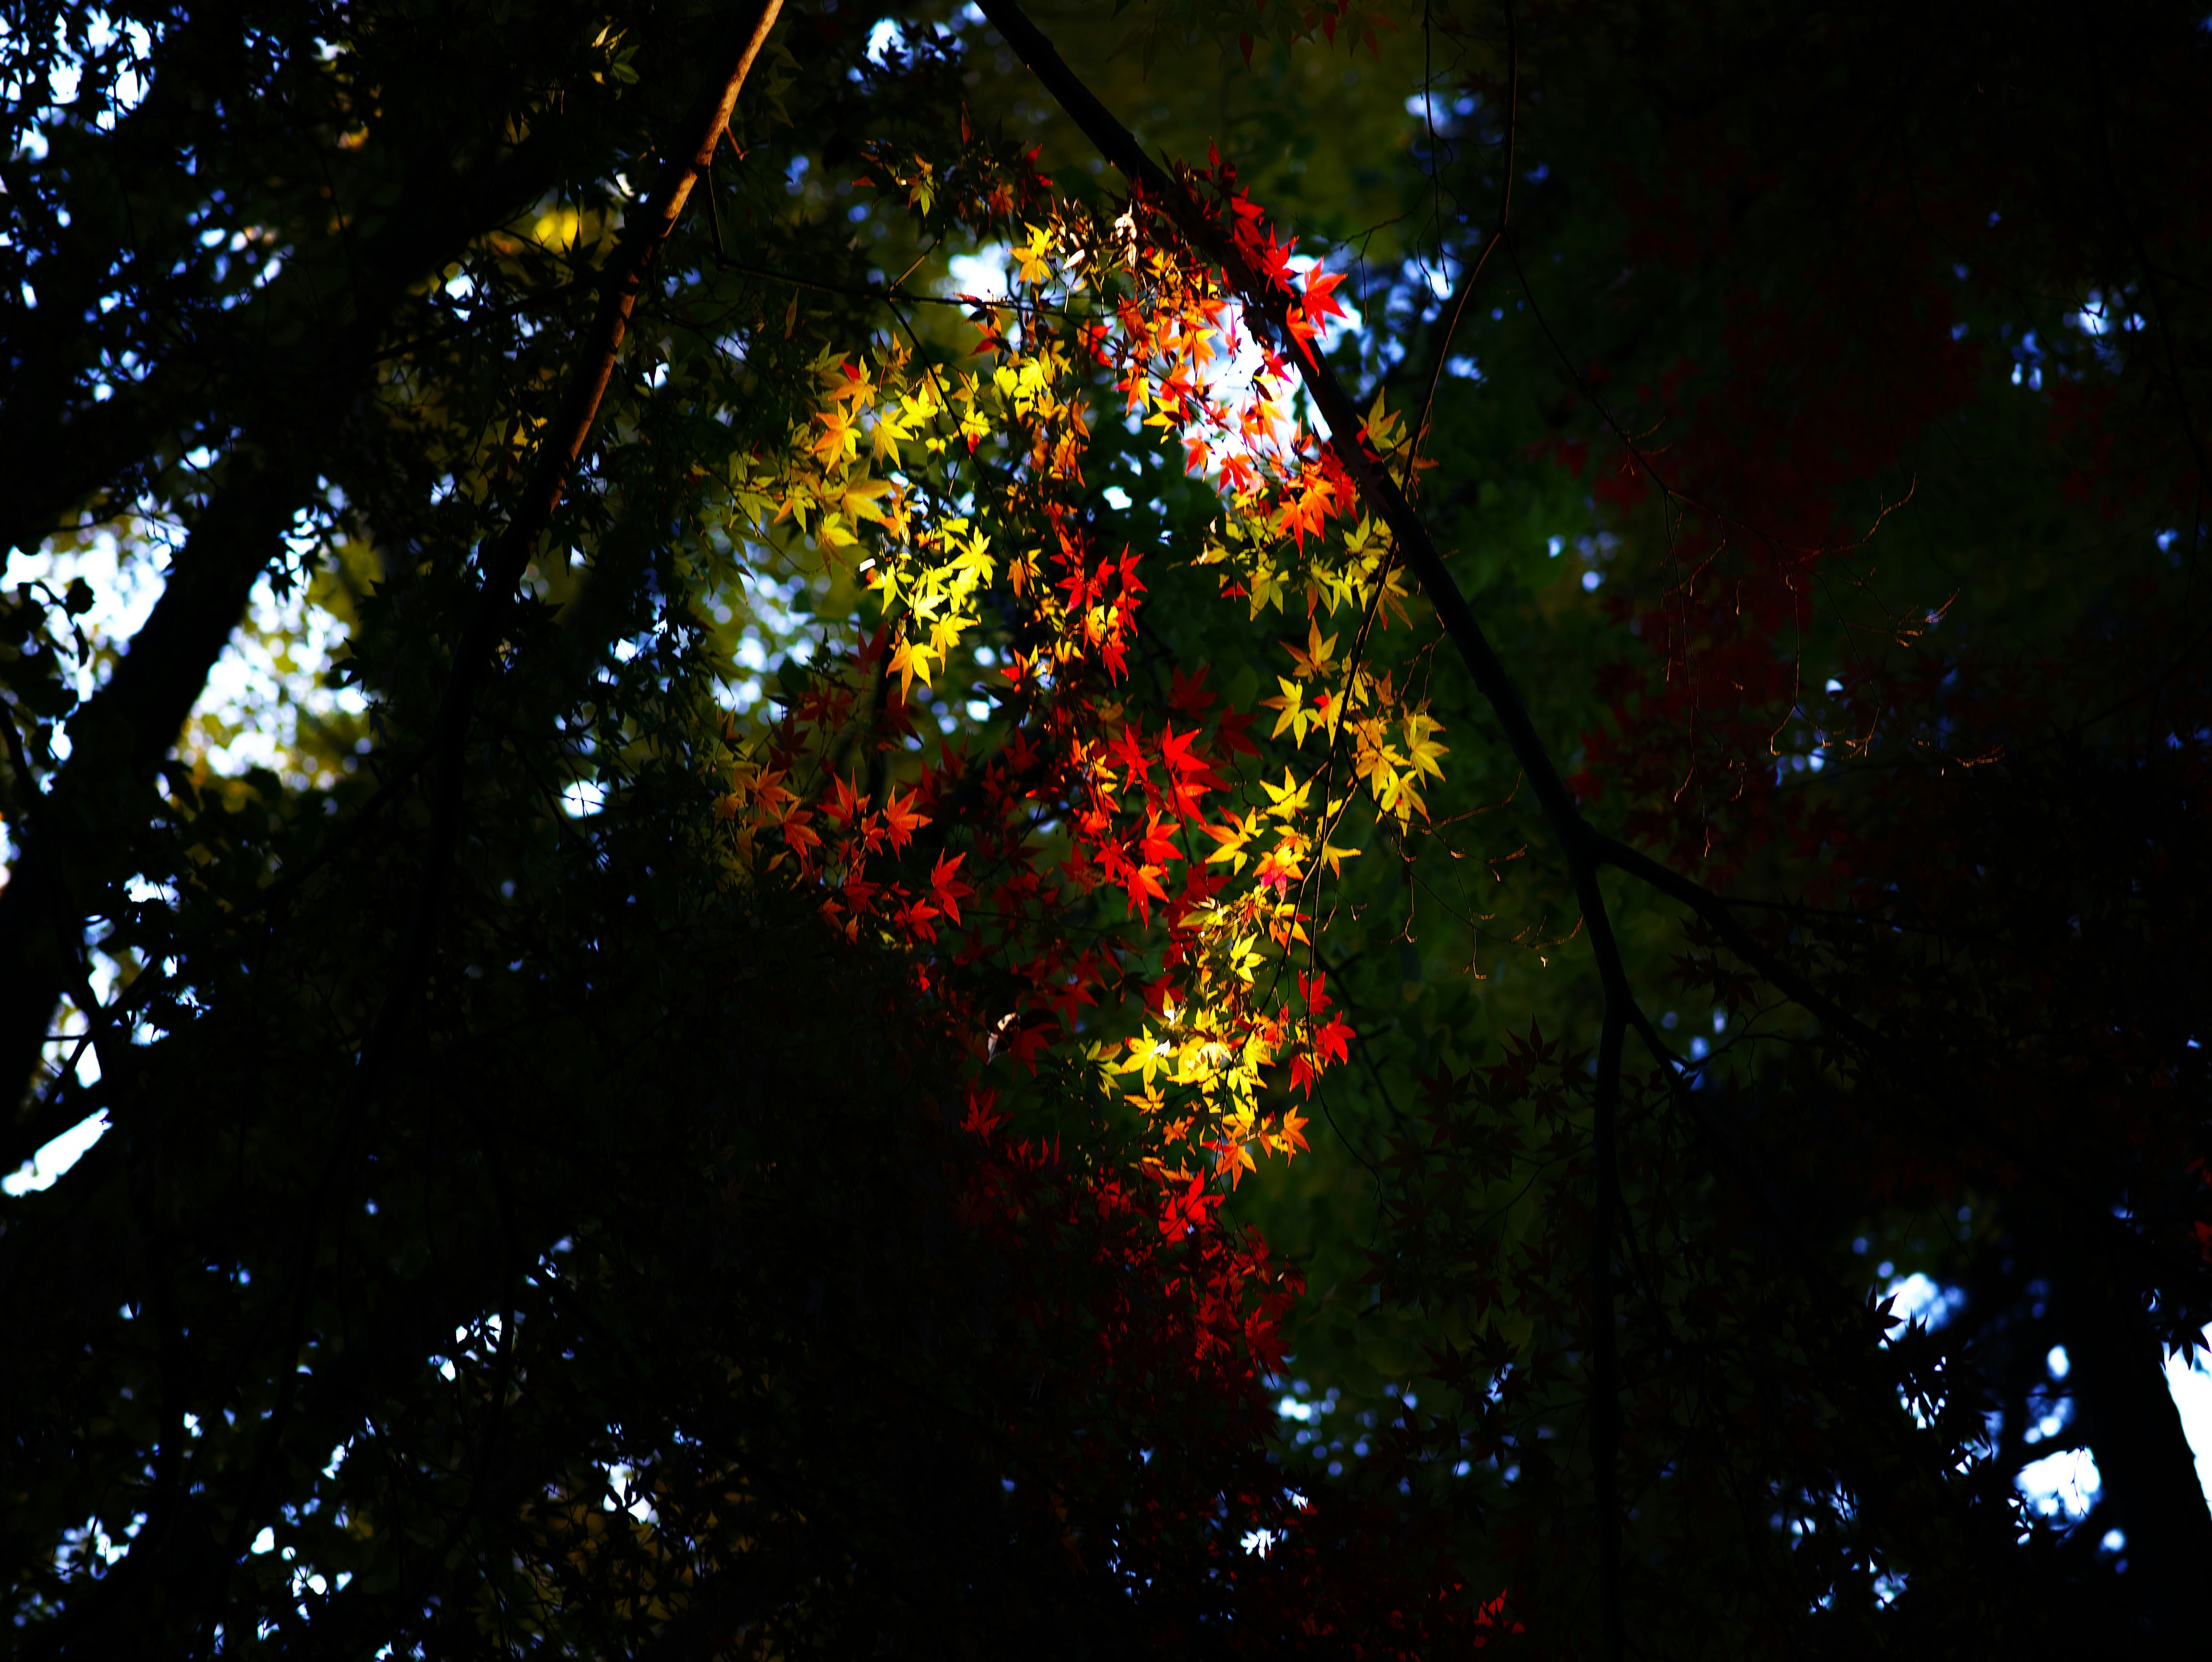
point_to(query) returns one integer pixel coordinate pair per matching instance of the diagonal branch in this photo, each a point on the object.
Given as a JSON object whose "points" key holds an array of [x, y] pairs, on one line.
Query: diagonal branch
{"points": [[558, 452], [1586, 850], [1383, 495], [119, 738]]}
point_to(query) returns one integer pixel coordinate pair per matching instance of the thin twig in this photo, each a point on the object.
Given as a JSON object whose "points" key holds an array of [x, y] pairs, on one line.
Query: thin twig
{"points": [[1504, 219]]}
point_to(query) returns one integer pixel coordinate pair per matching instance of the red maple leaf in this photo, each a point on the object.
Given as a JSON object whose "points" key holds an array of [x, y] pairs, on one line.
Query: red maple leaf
{"points": [[1321, 301], [949, 890], [1025, 1037], [1186, 693], [1154, 848], [1187, 1210], [1125, 751], [1333, 1043], [982, 1121], [902, 820]]}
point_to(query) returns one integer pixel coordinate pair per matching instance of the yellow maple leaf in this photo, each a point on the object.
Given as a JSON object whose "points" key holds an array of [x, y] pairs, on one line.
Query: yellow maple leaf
{"points": [[1148, 1055], [839, 442], [910, 662], [860, 496], [1292, 713], [1289, 801], [891, 426], [1232, 838], [1421, 750], [1317, 654], [1030, 255]]}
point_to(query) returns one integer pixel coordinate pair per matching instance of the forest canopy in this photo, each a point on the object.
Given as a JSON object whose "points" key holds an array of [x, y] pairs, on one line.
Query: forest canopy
{"points": [[1206, 829]]}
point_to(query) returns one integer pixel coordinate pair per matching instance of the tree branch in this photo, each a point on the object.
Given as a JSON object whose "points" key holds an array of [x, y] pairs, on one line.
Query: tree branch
{"points": [[1414, 545], [504, 565], [121, 734], [1474, 274], [119, 737], [224, 373]]}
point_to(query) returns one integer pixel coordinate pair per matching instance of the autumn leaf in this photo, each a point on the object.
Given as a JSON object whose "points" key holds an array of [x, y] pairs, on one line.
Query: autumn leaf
{"points": [[902, 820], [1316, 656], [1288, 801], [946, 888]]}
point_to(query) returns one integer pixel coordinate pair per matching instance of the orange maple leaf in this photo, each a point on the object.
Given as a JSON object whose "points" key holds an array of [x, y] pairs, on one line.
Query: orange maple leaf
{"points": [[902, 820]]}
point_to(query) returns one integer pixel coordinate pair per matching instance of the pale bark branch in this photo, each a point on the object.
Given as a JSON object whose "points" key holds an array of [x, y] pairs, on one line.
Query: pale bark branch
{"points": [[559, 449]]}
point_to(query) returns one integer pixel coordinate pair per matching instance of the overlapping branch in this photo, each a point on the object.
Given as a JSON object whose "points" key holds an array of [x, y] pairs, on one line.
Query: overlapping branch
{"points": [[504, 565], [1584, 849]]}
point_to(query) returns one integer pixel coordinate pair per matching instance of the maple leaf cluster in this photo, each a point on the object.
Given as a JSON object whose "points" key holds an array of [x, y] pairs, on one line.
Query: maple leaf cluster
{"points": [[1086, 794]]}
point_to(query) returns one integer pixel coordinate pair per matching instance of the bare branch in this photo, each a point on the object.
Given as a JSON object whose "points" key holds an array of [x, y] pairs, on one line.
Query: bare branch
{"points": [[558, 450]]}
